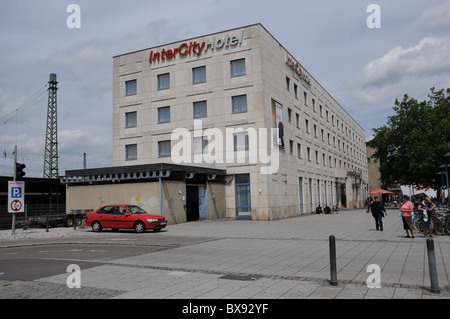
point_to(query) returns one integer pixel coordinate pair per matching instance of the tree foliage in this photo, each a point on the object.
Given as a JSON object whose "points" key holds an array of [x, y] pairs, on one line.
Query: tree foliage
{"points": [[410, 148]]}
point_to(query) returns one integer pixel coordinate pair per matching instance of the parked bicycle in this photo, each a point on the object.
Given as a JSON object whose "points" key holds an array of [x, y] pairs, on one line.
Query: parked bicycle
{"points": [[335, 209], [440, 219]]}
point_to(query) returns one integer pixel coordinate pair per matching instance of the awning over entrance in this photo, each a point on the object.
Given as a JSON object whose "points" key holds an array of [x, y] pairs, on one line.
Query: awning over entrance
{"points": [[150, 172]]}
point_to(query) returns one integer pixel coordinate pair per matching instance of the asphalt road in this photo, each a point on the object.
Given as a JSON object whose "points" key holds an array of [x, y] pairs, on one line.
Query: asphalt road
{"points": [[38, 261]]}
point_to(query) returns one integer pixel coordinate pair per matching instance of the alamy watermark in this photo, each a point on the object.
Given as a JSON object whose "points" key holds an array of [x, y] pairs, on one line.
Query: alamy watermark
{"points": [[74, 19], [374, 280], [74, 279], [214, 146], [374, 19]]}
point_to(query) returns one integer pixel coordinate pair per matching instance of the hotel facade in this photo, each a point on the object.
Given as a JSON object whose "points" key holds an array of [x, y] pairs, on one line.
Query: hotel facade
{"points": [[239, 108]]}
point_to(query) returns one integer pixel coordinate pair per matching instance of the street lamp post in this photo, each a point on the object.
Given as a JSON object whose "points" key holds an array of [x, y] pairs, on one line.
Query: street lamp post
{"points": [[446, 170]]}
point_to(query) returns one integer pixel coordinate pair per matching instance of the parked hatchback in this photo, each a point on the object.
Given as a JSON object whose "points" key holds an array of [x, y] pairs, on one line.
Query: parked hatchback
{"points": [[124, 217]]}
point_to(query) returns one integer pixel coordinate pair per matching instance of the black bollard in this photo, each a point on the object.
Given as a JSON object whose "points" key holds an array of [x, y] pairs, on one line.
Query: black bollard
{"points": [[432, 265], [333, 280]]}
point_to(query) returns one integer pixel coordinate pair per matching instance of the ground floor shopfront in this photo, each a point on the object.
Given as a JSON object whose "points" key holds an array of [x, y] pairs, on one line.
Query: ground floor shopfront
{"points": [[187, 193]]}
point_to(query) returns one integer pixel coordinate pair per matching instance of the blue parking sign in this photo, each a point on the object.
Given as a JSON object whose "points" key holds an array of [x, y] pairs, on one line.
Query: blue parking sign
{"points": [[16, 192], [16, 197]]}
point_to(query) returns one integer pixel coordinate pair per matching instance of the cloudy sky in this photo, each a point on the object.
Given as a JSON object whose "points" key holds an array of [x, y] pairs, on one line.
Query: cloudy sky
{"points": [[364, 69]]}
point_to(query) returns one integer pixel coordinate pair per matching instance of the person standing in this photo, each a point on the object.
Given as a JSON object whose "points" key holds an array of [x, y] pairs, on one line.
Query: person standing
{"points": [[407, 211], [378, 212], [426, 206]]}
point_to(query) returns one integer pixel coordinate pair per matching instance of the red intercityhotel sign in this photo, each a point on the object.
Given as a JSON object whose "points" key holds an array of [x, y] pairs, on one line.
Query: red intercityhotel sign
{"points": [[196, 48], [297, 68]]}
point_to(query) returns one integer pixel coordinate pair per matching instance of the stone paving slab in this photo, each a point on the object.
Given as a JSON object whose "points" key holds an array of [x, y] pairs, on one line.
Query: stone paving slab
{"points": [[284, 259]]}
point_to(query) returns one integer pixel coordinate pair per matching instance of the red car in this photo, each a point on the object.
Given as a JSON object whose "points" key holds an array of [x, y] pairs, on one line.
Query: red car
{"points": [[124, 216]]}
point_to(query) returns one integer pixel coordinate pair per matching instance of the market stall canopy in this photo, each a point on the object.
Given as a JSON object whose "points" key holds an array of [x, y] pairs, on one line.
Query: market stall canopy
{"points": [[381, 191]]}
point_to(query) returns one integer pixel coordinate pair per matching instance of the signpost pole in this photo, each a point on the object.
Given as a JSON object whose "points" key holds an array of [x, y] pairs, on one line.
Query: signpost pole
{"points": [[14, 175]]}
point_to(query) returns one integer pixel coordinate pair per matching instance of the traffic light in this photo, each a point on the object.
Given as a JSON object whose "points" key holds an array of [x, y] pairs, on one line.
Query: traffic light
{"points": [[19, 170]]}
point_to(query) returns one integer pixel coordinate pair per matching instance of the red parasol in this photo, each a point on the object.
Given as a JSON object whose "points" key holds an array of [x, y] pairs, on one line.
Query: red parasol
{"points": [[381, 191]]}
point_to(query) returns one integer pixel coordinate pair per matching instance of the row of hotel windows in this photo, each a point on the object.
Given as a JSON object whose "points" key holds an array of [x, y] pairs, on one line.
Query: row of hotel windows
{"points": [[313, 101], [239, 105], [200, 110], [241, 143], [237, 68]]}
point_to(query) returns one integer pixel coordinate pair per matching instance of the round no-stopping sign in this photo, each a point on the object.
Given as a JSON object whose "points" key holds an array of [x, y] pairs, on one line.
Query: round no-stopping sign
{"points": [[16, 205]]}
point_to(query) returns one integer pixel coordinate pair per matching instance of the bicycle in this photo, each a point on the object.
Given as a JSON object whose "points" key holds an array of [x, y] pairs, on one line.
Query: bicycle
{"points": [[441, 221], [335, 209]]}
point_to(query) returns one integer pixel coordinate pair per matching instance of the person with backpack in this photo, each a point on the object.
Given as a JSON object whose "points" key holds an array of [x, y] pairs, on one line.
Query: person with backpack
{"points": [[378, 212]]}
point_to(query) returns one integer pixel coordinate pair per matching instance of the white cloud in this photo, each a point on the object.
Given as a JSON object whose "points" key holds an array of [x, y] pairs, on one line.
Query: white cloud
{"points": [[435, 20], [428, 57]]}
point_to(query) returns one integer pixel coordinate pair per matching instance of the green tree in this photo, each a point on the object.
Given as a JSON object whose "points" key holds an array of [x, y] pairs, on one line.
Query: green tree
{"points": [[411, 146]]}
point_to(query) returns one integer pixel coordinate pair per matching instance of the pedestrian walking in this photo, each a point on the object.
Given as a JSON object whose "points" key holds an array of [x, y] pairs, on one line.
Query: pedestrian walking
{"points": [[368, 204], [378, 212], [407, 210], [426, 208]]}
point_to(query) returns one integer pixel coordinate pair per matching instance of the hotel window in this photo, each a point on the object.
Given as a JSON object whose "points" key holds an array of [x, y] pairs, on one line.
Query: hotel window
{"points": [[131, 152], [164, 149], [238, 67], [305, 95], [241, 141], [200, 109], [164, 81], [308, 152], [199, 75], [239, 103], [317, 157], [288, 84], [201, 145], [164, 114], [299, 150], [130, 119], [295, 90], [242, 195], [131, 87], [290, 115], [307, 126], [297, 120], [291, 147], [315, 130]]}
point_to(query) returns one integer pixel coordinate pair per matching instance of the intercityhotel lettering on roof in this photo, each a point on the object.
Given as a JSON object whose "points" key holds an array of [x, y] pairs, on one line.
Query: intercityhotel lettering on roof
{"points": [[196, 48]]}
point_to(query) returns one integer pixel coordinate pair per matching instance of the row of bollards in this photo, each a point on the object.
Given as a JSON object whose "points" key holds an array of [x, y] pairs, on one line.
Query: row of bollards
{"points": [[431, 264]]}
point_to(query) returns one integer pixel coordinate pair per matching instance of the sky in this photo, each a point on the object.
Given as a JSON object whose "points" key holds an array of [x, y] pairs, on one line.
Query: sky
{"points": [[365, 69]]}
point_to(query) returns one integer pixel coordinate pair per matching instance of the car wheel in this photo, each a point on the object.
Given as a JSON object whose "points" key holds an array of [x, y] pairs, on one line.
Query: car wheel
{"points": [[96, 226], [139, 227]]}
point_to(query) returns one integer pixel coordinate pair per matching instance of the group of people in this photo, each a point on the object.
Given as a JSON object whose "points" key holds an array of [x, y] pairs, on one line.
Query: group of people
{"points": [[326, 209], [425, 208]]}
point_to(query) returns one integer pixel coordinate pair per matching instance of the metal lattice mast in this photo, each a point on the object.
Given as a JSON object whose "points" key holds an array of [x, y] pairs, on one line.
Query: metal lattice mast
{"points": [[51, 136]]}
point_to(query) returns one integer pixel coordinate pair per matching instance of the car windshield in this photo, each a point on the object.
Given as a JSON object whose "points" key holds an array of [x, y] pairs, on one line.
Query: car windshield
{"points": [[135, 210]]}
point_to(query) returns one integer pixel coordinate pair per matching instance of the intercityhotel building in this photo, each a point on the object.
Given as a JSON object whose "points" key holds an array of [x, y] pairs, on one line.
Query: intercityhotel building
{"points": [[227, 125]]}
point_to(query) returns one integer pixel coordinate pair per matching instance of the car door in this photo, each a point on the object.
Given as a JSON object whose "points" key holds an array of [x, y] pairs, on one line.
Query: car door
{"points": [[122, 220], [106, 217]]}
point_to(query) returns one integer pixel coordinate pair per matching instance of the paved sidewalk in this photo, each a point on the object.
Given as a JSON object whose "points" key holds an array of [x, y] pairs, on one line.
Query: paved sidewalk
{"points": [[284, 259]]}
